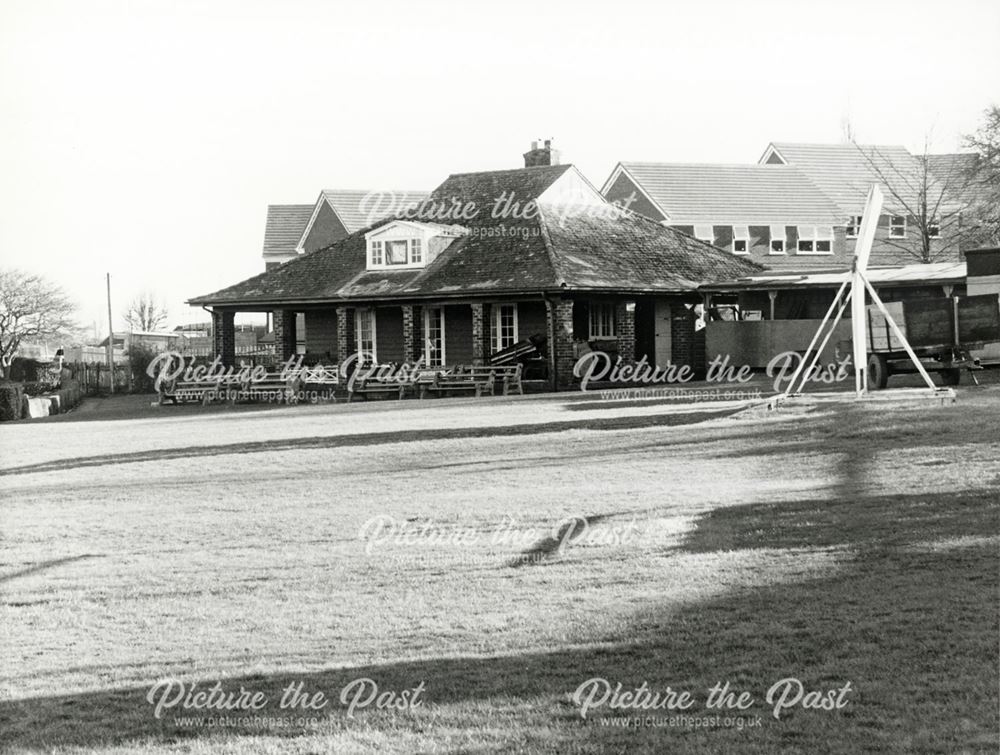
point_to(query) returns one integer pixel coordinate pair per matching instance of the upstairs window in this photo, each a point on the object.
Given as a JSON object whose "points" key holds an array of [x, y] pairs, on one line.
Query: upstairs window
{"points": [[815, 239], [897, 227], [741, 239], [396, 252], [602, 320], [705, 233], [416, 251], [378, 257], [853, 226], [934, 229], [777, 239]]}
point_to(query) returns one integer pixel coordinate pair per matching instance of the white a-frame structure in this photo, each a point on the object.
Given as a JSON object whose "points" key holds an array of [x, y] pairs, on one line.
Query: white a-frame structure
{"points": [[852, 291]]}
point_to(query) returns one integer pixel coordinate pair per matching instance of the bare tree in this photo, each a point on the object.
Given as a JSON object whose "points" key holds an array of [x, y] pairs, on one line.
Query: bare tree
{"points": [[932, 195], [31, 309], [983, 174], [146, 312]]}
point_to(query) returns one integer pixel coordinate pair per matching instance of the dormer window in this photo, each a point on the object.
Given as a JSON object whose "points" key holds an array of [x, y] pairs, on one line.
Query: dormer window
{"points": [[395, 252], [405, 244]]}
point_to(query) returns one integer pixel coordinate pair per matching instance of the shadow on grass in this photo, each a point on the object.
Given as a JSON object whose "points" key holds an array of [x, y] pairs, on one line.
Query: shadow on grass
{"points": [[373, 439], [43, 566], [912, 626], [570, 531]]}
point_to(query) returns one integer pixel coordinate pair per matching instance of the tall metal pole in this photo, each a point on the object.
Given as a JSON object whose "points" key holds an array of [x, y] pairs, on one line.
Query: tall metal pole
{"points": [[111, 342]]}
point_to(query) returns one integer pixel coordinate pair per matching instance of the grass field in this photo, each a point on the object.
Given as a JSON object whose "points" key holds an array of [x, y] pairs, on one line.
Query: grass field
{"points": [[826, 542]]}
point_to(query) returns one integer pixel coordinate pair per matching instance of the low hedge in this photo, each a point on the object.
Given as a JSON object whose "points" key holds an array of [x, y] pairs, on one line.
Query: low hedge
{"points": [[11, 400]]}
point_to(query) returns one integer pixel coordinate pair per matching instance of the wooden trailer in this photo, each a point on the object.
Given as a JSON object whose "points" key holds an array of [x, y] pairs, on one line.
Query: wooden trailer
{"points": [[941, 332]]}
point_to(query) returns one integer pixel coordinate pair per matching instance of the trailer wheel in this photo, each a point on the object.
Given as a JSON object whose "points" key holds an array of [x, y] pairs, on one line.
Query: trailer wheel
{"points": [[952, 376], [878, 371]]}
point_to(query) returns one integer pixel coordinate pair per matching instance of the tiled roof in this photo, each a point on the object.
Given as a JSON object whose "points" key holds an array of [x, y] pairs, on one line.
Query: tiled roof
{"points": [[484, 189], [635, 253], [957, 172], [359, 209], [844, 173], [285, 223], [733, 194], [909, 275], [549, 251]]}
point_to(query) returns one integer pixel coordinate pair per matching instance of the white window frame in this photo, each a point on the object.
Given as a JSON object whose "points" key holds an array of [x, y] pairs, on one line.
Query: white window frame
{"points": [[497, 334], [358, 314], [601, 333], [936, 226], [782, 236], [853, 227], [701, 234], [427, 341], [894, 226], [416, 251], [814, 234], [741, 233]]}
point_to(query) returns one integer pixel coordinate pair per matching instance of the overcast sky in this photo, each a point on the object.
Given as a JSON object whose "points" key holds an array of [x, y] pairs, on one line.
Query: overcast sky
{"points": [[147, 139]]}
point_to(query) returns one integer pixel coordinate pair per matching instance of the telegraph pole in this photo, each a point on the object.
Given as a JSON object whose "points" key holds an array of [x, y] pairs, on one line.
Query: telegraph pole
{"points": [[111, 342]]}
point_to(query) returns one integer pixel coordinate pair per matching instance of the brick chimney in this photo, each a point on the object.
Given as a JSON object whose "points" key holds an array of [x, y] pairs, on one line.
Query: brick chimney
{"points": [[541, 156]]}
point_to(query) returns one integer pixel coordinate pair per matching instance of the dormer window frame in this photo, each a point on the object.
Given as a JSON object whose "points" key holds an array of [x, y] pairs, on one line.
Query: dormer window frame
{"points": [[382, 242], [741, 240]]}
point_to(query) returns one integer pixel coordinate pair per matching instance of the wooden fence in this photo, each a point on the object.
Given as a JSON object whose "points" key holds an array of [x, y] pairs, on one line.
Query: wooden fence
{"points": [[94, 377]]}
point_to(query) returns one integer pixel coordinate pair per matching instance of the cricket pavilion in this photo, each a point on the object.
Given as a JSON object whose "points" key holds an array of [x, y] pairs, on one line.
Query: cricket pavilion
{"points": [[487, 261]]}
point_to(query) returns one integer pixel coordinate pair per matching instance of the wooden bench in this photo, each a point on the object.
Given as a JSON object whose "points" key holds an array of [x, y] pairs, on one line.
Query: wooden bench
{"points": [[205, 391], [372, 384], [272, 385], [509, 376], [480, 379], [460, 379]]}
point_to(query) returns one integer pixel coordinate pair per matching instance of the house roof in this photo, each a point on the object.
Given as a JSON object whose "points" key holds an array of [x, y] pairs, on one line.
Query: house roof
{"points": [[358, 209], [690, 193], [548, 250], [958, 172], [844, 172], [285, 223], [939, 273]]}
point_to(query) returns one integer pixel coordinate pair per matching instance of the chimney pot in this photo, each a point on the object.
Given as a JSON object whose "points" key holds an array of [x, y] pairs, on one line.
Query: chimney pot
{"points": [[544, 156]]}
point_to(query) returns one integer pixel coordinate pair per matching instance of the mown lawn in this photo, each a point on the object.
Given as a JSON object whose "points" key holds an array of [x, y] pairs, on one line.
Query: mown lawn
{"points": [[827, 543]]}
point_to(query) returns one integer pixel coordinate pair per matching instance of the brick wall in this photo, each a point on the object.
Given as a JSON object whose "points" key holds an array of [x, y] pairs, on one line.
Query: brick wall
{"points": [[687, 346], [408, 332], [344, 342], [478, 333], [625, 330], [559, 317], [224, 336], [623, 189], [284, 334]]}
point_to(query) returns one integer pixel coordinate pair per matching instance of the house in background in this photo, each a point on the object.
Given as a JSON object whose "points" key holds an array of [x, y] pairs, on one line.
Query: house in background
{"points": [[283, 231], [557, 264], [294, 229], [797, 208]]}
